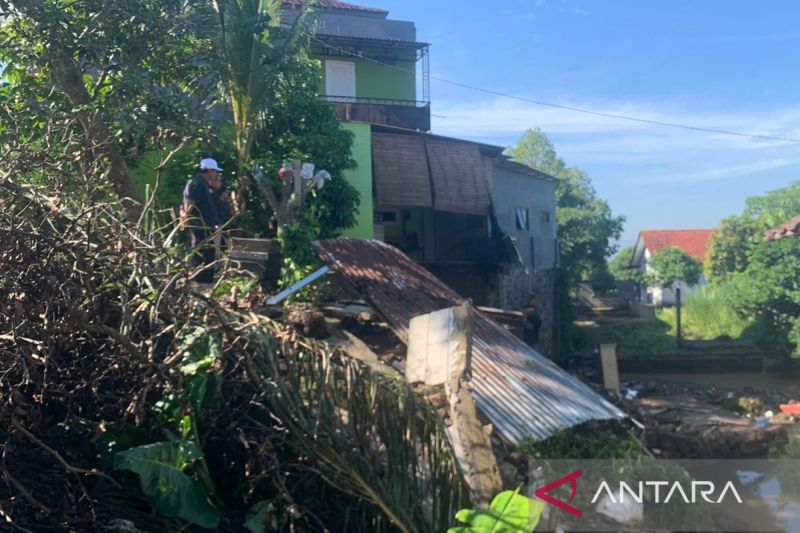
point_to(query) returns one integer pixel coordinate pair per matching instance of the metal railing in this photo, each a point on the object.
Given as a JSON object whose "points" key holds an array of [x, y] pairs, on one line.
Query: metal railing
{"points": [[409, 114]]}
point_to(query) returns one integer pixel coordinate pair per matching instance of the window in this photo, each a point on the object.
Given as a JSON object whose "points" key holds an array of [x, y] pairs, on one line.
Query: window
{"points": [[545, 218], [340, 80], [387, 217], [522, 218]]}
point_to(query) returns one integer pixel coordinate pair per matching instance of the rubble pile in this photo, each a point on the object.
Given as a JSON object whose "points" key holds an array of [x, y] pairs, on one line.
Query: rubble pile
{"points": [[695, 423]]}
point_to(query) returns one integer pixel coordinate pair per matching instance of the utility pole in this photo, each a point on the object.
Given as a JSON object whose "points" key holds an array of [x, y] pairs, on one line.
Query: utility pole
{"points": [[678, 315]]}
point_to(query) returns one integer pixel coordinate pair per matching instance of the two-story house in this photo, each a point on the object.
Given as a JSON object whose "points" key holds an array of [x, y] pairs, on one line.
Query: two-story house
{"points": [[483, 224]]}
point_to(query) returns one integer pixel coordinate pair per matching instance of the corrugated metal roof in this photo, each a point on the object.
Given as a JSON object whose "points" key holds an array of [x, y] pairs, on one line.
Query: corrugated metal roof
{"points": [[405, 165], [510, 164], [519, 390]]}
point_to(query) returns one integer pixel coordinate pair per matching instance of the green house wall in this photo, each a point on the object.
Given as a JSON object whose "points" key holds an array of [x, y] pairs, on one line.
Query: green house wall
{"points": [[380, 81], [361, 178]]}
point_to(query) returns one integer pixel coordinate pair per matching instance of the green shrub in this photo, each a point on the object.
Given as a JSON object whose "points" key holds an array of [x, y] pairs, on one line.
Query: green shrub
{"points": [[588, 441], [643, 337], [707, 315]]}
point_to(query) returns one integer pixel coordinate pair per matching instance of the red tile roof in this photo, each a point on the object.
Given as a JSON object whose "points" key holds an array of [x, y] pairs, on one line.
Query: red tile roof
{"points": [[693, 242], [335, 4]]}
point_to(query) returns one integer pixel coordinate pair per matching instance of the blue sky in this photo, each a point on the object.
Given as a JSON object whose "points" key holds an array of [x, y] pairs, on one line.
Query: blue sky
{"points": [[729, 64]]}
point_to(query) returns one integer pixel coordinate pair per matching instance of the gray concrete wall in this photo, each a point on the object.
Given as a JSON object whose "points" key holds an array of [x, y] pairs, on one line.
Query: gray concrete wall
{"points": [[354, 23], [512, 190], [515, 284]]}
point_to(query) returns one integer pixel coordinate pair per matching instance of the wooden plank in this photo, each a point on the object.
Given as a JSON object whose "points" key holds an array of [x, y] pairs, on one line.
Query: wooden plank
{"points": [[608, 360]]}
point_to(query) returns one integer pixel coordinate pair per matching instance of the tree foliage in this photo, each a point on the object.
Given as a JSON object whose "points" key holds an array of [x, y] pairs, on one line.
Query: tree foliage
{"points": [[620, 266], [256, 49], [730, 246], [99, 75], [587, 229], [103, 94], [768, 291], [738, 237], [759, 278], [301, 126], [673, 265]]}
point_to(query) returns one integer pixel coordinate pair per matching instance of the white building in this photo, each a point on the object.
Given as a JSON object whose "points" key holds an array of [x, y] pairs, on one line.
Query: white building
{"points": [[693, 242]]}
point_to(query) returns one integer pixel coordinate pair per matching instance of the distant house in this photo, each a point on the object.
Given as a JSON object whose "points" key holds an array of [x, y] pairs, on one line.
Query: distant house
{"points": [[693, 242]]}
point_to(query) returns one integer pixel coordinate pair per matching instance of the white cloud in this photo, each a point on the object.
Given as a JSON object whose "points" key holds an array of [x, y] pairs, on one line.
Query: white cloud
{"points": [[652, 153], [725, 172]]}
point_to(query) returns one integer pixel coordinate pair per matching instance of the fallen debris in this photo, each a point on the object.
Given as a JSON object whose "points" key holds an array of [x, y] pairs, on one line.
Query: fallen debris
{"points": [[305, 282], [440, 353], [308, 320], [688, 423], [791, 409], [522, 393]]}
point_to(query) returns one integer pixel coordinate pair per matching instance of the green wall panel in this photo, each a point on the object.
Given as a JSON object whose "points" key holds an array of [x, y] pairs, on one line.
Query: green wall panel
{"points": [[380, 81], [361, 178]]}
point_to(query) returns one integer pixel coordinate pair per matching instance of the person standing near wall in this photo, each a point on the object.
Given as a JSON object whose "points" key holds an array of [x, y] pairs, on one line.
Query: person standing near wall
{"points": [[200, 216], [532, 321]]}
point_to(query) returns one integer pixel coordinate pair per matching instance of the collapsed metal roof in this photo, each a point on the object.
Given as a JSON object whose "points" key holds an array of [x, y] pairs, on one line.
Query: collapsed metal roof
{"points": [[520, 391]]}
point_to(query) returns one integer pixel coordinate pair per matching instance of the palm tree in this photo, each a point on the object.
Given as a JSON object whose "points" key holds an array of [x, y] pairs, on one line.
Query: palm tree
{"points": [[256, 49]]}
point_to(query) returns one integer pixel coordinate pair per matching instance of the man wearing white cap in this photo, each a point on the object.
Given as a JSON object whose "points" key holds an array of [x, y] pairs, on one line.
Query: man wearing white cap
{"points": [[200, 211]]}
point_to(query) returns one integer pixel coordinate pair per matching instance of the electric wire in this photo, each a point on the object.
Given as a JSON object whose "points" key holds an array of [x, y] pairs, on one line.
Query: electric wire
{"points": [[566, 107]]}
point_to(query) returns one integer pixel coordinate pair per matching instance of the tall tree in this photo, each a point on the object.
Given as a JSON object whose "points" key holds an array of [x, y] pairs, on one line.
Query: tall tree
{"points": [[98, 65], [300, 126], [255, 49], [587, 230], [768, 291]]}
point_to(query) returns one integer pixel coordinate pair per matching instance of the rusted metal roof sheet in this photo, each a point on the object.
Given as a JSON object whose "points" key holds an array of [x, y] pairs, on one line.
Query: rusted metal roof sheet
{"points": [[520, 391]]}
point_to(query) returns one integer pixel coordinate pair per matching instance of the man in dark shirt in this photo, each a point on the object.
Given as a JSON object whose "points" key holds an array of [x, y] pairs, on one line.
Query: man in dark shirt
{"points": [[532, 321], [202, 218], [222, 202]]}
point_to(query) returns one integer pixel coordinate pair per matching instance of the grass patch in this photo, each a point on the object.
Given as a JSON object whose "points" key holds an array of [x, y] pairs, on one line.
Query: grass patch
{"points": [[643, 337], [597, 440], [706, 315]]}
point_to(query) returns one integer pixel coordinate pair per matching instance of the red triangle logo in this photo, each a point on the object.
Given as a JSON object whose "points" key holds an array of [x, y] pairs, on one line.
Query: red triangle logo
{"points": [[572, 479]]}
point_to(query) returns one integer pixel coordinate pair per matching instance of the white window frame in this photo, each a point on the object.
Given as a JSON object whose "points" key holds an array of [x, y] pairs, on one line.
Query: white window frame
{"points": [[329, 67]]}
